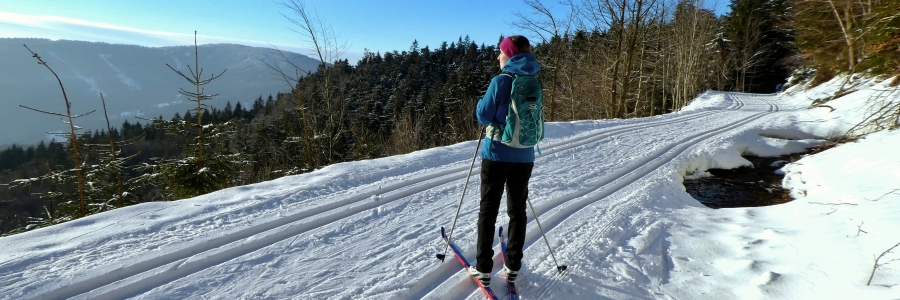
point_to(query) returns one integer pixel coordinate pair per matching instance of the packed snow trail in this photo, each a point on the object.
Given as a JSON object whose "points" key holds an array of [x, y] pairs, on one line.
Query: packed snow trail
{"points": [[222, 256], [368, 227], [615, 211]]}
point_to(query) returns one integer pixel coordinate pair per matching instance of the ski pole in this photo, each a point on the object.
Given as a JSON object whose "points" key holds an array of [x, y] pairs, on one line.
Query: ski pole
{"points": [[558, 267], [465, 186]]}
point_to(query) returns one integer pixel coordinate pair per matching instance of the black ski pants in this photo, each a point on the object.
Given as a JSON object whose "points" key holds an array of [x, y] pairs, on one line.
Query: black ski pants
{"points": [[494, 176]]}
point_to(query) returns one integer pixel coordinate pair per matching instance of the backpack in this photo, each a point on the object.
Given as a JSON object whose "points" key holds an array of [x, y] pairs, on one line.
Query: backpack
{"points": [[524, 126]]}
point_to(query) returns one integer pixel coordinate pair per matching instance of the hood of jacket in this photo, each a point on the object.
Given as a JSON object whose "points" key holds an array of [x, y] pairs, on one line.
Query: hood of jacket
{"points": [[522, 64]]}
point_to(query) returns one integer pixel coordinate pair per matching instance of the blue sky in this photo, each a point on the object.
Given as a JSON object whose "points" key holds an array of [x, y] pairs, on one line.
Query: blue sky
{"points": [[375, 25]]}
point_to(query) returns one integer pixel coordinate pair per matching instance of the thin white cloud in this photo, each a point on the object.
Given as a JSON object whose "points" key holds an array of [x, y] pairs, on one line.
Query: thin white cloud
{"points": [[54, 27], [14, 25], [68, 24]]}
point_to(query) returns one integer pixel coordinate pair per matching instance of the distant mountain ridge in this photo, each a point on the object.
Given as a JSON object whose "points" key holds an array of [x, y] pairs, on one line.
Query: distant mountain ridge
{"points": [[134, 80]]}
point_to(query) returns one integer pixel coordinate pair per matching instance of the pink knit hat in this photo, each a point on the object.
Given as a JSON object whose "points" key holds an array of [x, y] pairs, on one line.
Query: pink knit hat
{"points": [[508, 47]]}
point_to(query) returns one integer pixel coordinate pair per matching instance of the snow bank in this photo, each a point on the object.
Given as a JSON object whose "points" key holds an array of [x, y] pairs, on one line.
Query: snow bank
{"points": [[832, 119], [823, 244]]}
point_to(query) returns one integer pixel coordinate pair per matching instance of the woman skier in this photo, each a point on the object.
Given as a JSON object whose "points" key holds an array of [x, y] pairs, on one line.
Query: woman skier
{"points": [[502, 165]]}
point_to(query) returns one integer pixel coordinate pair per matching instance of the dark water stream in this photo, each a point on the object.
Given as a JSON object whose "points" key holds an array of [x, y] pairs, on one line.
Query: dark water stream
{"points": [[744, 186]]}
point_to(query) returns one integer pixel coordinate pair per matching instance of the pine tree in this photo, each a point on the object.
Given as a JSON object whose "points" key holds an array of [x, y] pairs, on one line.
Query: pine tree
{"points": [[238, 112], [760, 38], [207, 164], [258, 106], [227, 113], [270, 105]]}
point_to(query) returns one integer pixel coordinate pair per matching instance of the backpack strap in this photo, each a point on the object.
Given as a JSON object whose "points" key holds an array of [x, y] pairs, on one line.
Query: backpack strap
{"points": [[514, 75], [494, 130]]}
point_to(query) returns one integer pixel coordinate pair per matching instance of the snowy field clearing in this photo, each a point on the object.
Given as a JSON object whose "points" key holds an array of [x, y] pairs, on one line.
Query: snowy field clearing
{"points": [[608, 194]]}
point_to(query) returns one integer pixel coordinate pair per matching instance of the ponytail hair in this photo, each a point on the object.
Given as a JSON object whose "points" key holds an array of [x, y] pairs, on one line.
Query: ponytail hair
{"points": [[521, 43], [514, 45]]}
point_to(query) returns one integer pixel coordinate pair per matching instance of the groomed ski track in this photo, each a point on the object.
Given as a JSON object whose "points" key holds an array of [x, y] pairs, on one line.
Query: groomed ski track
{"points": [[370, 229]]}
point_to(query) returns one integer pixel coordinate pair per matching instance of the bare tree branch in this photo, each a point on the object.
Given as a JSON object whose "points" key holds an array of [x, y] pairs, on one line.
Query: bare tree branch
{"points": [[877, 265]]}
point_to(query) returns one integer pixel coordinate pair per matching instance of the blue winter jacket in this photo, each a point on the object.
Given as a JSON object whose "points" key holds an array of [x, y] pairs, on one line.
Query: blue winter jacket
{"points": [[493, 107]]}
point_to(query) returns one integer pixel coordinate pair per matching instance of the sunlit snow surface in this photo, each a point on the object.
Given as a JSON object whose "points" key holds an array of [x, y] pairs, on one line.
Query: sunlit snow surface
{"points": [[608, 194]]}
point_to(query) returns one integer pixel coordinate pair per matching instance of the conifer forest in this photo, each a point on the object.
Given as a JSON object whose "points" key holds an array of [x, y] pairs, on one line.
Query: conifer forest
{"points": [[606, 59]]}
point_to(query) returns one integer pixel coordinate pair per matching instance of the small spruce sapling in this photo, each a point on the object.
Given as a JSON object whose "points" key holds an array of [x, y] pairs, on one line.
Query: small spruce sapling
{"points": [[206, 166]]}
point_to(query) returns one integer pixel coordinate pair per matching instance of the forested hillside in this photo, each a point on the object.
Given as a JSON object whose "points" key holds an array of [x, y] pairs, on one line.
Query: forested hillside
{"points": [[134, 80], [608, 59]]}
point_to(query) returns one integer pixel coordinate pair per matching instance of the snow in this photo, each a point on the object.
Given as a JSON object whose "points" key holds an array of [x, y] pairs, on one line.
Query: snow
{"points": [[609, 195]]}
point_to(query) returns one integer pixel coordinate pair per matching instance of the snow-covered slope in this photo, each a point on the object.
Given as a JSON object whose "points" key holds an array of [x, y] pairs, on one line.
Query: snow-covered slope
{"points": [[608, 194]]}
